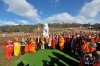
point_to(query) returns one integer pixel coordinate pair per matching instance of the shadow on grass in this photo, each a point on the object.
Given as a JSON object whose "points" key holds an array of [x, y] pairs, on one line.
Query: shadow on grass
{"points": [[53, 62], [22, 64], [71, 54], [70, 62], [67, 51], [57, 61]]}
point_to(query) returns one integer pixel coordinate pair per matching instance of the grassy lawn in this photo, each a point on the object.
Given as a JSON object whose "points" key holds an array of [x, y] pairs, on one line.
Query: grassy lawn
{"points": [[40, 58], [46, 58]]}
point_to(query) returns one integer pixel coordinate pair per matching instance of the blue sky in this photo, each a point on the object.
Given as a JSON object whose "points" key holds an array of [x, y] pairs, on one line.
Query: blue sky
{"points": [[50, 7], [50, 11]]}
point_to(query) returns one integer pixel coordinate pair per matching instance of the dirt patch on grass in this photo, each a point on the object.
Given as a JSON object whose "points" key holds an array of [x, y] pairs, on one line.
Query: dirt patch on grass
{"points": [[3, 61]]}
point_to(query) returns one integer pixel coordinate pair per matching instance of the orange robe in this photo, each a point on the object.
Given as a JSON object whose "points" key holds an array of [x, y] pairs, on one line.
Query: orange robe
{"points": [[26, 47], [61, 44], [85, 47], [32, 48]]}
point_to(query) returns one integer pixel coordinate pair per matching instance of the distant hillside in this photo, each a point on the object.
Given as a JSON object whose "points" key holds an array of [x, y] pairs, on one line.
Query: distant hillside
{"points": [[32, 28]]}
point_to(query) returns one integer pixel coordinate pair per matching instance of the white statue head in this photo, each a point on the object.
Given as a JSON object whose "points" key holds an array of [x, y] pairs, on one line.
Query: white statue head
{"points": [[45, 25]]}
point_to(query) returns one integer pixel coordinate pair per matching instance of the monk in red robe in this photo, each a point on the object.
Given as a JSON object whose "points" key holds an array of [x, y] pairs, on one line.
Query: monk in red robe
{"points": [[54, 43], [9, 49]]}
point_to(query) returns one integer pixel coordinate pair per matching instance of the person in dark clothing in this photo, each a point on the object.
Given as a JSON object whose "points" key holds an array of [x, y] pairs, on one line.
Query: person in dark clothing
{"points": [[22, 46]]}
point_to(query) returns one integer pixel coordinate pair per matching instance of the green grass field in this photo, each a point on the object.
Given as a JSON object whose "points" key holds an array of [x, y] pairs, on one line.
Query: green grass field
{"points": [[46, 58], [40, 58]]}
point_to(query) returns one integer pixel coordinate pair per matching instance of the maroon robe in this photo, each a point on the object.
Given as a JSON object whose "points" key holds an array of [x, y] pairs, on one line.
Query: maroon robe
{"points": [[53, 43]]}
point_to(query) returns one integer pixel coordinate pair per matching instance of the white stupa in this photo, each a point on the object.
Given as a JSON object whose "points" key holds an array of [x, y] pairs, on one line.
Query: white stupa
{"points": [[80, 26]]}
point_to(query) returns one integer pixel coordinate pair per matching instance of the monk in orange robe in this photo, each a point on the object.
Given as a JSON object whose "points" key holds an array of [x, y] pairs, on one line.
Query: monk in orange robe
{"points": [[61, 42], [32, 46], [26, 47], [85, 47]]}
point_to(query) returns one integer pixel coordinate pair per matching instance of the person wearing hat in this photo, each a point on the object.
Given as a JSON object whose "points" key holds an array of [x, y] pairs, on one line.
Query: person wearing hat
{"points": [[8, 46], [16, 47]]}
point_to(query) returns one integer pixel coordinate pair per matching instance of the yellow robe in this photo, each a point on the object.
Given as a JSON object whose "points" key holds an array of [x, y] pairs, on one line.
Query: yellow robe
{"points": [[61, 40], [16, 48]]}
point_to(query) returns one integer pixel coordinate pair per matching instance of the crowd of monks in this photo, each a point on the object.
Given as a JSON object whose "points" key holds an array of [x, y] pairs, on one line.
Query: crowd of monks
{"points": [[80, 43]]}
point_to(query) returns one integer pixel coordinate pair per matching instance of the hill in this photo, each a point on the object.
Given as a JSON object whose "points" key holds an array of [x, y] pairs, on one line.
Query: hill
{"points": [[33, 28]]}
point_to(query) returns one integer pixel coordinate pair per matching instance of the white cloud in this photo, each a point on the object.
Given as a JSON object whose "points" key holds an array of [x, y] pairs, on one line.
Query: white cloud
{"points": [[62, 17], [22, 8], [88, 14], [67, 18], [9, 23], [83, 20], [19, 22], [91, 9], [23, 22]]}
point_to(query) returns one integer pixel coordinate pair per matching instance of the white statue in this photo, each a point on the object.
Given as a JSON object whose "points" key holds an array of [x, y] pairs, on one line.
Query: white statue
{"points": [[46, 30]]}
